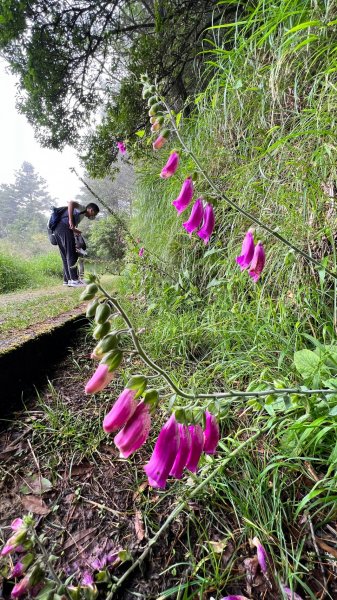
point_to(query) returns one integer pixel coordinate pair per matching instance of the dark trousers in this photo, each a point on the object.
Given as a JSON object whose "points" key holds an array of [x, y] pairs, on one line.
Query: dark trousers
{"points": [[66, 243]]}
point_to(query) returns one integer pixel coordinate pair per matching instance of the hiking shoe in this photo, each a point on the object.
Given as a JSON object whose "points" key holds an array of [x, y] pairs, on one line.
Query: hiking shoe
{"points": [[65, 283], [76, 283]]}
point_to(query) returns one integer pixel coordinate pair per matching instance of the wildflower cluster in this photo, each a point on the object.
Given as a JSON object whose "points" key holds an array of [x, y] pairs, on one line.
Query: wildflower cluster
{"points": [[179, 445]]}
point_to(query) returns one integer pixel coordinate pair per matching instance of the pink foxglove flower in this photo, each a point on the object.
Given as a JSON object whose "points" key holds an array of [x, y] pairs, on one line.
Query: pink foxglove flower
{"points": [[262, 556], [258, 262], [164, 454], [183, 452], [291, 595], [211, 434], [21, 588], [247, 250], [235, 597], [197, 444], [141, 252], [155, 126], [171, 166], [16, 524], [159, 142], [208, 224], [100, 379], [121, 147], [121, 411], [135, 433], [185, 196], [196, 216], [18, 538]]}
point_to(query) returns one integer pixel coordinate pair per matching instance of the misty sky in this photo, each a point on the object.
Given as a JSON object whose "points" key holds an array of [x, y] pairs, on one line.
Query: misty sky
{"points": [[18, 144]]}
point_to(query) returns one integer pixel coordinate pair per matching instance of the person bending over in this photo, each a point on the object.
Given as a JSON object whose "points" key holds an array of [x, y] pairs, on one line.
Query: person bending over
{"points": [[64, 233]]}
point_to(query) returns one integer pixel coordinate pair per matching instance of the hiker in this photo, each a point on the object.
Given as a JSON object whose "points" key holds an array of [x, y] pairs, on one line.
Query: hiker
{"points": [[64, 233], [81, 247]]}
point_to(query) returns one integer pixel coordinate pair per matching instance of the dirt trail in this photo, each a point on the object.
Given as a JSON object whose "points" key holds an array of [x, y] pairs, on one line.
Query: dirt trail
{"points": [[64, 306]]}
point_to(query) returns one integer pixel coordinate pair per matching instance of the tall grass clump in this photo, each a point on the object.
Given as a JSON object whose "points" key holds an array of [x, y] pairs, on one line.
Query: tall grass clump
{"points": [[18, 273]]}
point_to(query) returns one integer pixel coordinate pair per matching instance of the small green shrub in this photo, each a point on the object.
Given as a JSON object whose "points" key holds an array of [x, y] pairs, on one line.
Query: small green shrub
{"points": [[14, 273]]}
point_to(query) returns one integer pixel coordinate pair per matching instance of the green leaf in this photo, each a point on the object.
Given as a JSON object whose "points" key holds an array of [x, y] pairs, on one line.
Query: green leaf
{"points": [[178, 118], [307, 363], [307, 499], [140, 133], [304, 26], [333, 412], [215, 282]]}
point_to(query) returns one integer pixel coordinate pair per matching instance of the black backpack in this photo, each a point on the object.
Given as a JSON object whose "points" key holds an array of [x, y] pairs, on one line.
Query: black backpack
{"points": [[53, 220]]}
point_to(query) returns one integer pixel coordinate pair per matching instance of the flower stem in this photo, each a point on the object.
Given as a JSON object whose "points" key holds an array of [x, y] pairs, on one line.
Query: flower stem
{"points": [[183, 505], [229, 394], [236, 206]]}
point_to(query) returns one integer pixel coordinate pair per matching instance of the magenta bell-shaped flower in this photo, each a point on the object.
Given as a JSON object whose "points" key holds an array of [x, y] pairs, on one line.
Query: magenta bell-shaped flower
{"points": [[290, 594], [196, 216], [135, 433], [141, 252], [208, 224], [258, 262], [183, 452], [185, 196], [262, 556], [159, 142], [121, 147], [197, 444], [164, 454], [171, 166], [211, 434], [121, 411], [21, 588], [235, 597], [100, 379], [247, 250]]}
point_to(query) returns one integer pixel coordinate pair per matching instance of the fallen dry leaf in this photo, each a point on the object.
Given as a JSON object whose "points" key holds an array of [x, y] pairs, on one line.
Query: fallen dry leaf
{"points": [[326, 547], [35, 505]]}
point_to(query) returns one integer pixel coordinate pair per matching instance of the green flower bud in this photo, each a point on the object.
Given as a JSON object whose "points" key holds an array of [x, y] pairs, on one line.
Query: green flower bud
{"points": [[74, 592], [89, 292], [153, 100], [152, 89], [180, 416], [154, 110], [103, 312], [146, 93], [101, 330], [160, 119], [137, 382], [151, 397], [165, 133], [113, 359], [109, 342], [91, 308]]}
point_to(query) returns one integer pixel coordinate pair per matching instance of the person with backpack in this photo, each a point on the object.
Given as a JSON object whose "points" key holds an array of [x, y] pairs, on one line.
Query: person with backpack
{"points": [[64, 233]]}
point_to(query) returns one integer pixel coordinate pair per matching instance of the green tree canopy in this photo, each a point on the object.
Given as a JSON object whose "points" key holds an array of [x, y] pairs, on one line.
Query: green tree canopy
{"points": [[73, 56]]}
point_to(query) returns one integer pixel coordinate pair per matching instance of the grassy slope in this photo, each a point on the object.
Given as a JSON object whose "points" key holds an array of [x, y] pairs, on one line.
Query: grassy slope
{"points": [[264, 130]]}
